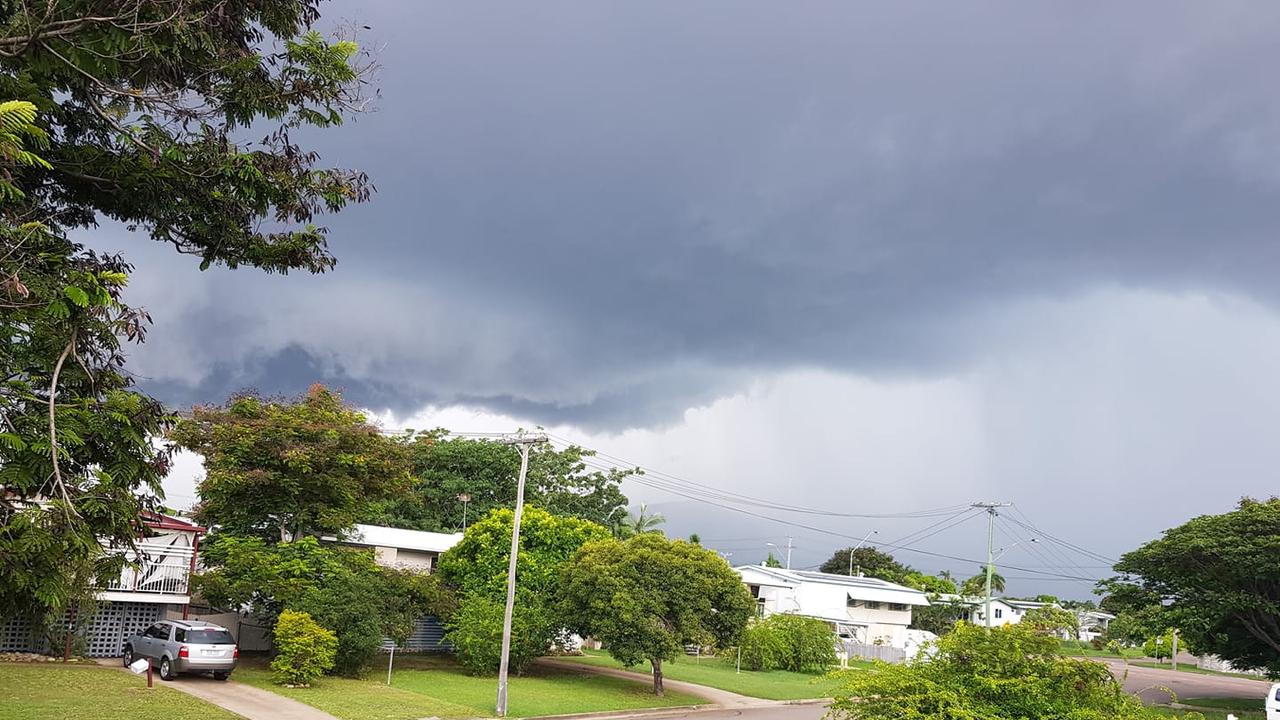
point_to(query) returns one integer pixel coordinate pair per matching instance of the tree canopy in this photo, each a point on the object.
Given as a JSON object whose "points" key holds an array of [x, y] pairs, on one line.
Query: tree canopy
{"points": [[485, 472], [476, 568], [1219, 579], [867, 560], [285, 469], [646, 597], [151, 106], [139, 112], [342, 588]]}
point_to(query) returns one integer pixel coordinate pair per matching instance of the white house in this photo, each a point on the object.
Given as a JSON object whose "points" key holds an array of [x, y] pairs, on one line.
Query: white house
{"points": [[1007, 611], [401, 548], [154, 584], [865, 610]]}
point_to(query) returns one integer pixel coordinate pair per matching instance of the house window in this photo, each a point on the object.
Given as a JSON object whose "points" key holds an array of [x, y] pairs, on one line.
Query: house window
{"points": [[898, 607], [999, 613], [850, 602], [872, 605]]}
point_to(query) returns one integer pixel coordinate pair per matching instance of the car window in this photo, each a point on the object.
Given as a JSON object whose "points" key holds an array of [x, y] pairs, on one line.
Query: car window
{"points": [[1278, 694], [179, 634], [162, 631], [210, 637], [157, 631]]}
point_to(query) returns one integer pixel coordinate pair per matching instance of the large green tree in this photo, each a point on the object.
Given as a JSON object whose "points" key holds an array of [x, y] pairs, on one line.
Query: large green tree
{"points": [[342, 588], [476, 568], [285, 469], [869, 561], [1007, 673], [150, 114], [647, 597], [483, 473], [1219, 579]]}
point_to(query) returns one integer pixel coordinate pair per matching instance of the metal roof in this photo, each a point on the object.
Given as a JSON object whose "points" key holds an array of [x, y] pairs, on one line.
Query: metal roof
{"points": [[401, 538], [858, 588]]}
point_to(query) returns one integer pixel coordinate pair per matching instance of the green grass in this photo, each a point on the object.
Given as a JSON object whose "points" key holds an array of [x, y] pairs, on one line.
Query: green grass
{"points": [[1211, 714], [1076, 648], [425, 686], [1243, 704], [714, 672], [52, 691], [1184, 667]]}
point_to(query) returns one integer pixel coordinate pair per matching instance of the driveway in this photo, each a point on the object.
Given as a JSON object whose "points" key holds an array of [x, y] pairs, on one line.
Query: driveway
{"points": [[1153, 684], [246, 701]]}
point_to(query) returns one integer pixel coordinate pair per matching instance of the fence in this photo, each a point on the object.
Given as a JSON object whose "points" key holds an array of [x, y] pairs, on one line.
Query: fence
{"points": [[886, 653]]}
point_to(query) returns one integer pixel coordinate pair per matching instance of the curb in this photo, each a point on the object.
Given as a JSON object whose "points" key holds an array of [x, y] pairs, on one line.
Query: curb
{"points": [[672, 711]]}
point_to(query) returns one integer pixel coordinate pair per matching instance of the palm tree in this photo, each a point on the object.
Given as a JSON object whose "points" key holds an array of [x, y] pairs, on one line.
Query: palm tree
{"points": [[638, 523], [977, 585]]}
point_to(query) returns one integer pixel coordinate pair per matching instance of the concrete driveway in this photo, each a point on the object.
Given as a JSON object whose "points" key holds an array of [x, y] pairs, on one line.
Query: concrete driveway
{"points": [[1153, 685], [246, 701]]}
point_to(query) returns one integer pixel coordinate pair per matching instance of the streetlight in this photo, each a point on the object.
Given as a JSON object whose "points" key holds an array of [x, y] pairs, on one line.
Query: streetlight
{"points": [[779, 549], [855, 548], [464, 498]]}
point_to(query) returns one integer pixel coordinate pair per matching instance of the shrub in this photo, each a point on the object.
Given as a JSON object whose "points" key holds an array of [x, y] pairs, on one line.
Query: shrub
{"points": [[810, 644], [763, 647], [1006, 673], [304, 649], [475, 630]]}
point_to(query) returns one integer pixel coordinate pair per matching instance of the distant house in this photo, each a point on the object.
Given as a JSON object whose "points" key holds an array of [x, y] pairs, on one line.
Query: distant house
{"points": [[406, 550], [864, 610], [155, 584], [399, 547], [1007, 611]]}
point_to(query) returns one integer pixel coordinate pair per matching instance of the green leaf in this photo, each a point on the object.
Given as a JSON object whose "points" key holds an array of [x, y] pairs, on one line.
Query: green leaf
{"points": [[77, 296]]}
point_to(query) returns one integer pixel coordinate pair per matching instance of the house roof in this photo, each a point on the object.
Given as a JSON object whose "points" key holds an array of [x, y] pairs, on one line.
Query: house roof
{"points": [[858, 588], [157, 521], [401, 538]]}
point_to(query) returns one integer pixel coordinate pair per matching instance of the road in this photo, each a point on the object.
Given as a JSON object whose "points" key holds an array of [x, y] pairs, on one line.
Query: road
{"points": [[1153, 685]]}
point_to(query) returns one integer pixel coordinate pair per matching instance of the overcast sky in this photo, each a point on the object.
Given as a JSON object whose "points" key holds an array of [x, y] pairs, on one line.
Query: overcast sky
{"points": [[866, 257]]}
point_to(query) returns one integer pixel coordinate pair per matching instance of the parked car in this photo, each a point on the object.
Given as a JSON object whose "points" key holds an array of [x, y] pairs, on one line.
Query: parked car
{"points": [[1273, 702], [184, 646]]}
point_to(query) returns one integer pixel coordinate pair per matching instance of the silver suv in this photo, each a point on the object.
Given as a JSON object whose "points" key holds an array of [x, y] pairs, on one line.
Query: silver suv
{"points": [[180, 646]]}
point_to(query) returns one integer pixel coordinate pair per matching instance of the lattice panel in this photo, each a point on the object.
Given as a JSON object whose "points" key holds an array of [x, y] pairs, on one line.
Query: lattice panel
{"points": [[17, 635], [117, 621]]}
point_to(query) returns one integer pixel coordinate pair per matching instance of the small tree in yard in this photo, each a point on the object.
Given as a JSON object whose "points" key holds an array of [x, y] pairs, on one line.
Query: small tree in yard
{"points": [[304, 649], [1159, 647], [648, 596], [1052, 620], [1007, 673], [788, 642]]}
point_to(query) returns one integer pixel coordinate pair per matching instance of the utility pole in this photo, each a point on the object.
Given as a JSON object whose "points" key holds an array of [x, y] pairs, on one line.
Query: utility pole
{"points": [[1173, 652], [523, 442], [990, 507], [788, 552]]}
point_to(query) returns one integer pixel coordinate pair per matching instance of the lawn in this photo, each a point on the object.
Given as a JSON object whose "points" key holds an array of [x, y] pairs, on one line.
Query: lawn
{"points": [[1076, 648], [74, 692], [425, 686], [1185, 667], [714, 672]]}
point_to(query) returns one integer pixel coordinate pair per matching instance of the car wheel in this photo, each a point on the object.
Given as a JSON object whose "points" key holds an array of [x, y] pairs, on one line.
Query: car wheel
{"points": [[128, 655], [166, 670], [221, 675]]}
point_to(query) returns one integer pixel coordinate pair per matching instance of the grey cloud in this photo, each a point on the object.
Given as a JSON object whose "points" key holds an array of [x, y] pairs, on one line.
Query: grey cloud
{"points": [[606, 213]]}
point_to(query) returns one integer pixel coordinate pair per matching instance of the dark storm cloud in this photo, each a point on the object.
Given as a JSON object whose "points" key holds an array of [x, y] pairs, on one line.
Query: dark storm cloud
{"points": [[601, 213]]}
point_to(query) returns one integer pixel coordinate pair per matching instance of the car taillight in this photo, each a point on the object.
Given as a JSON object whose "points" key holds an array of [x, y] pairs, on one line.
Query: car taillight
{"points": [[235, 652], [184, 651]]}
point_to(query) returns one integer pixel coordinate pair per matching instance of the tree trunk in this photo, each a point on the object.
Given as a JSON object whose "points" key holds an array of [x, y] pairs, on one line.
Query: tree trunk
{"points": [[657, 676]]}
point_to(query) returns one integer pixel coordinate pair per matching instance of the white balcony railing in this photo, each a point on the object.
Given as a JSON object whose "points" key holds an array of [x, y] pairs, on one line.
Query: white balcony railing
{"points": [[155, 569]]}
